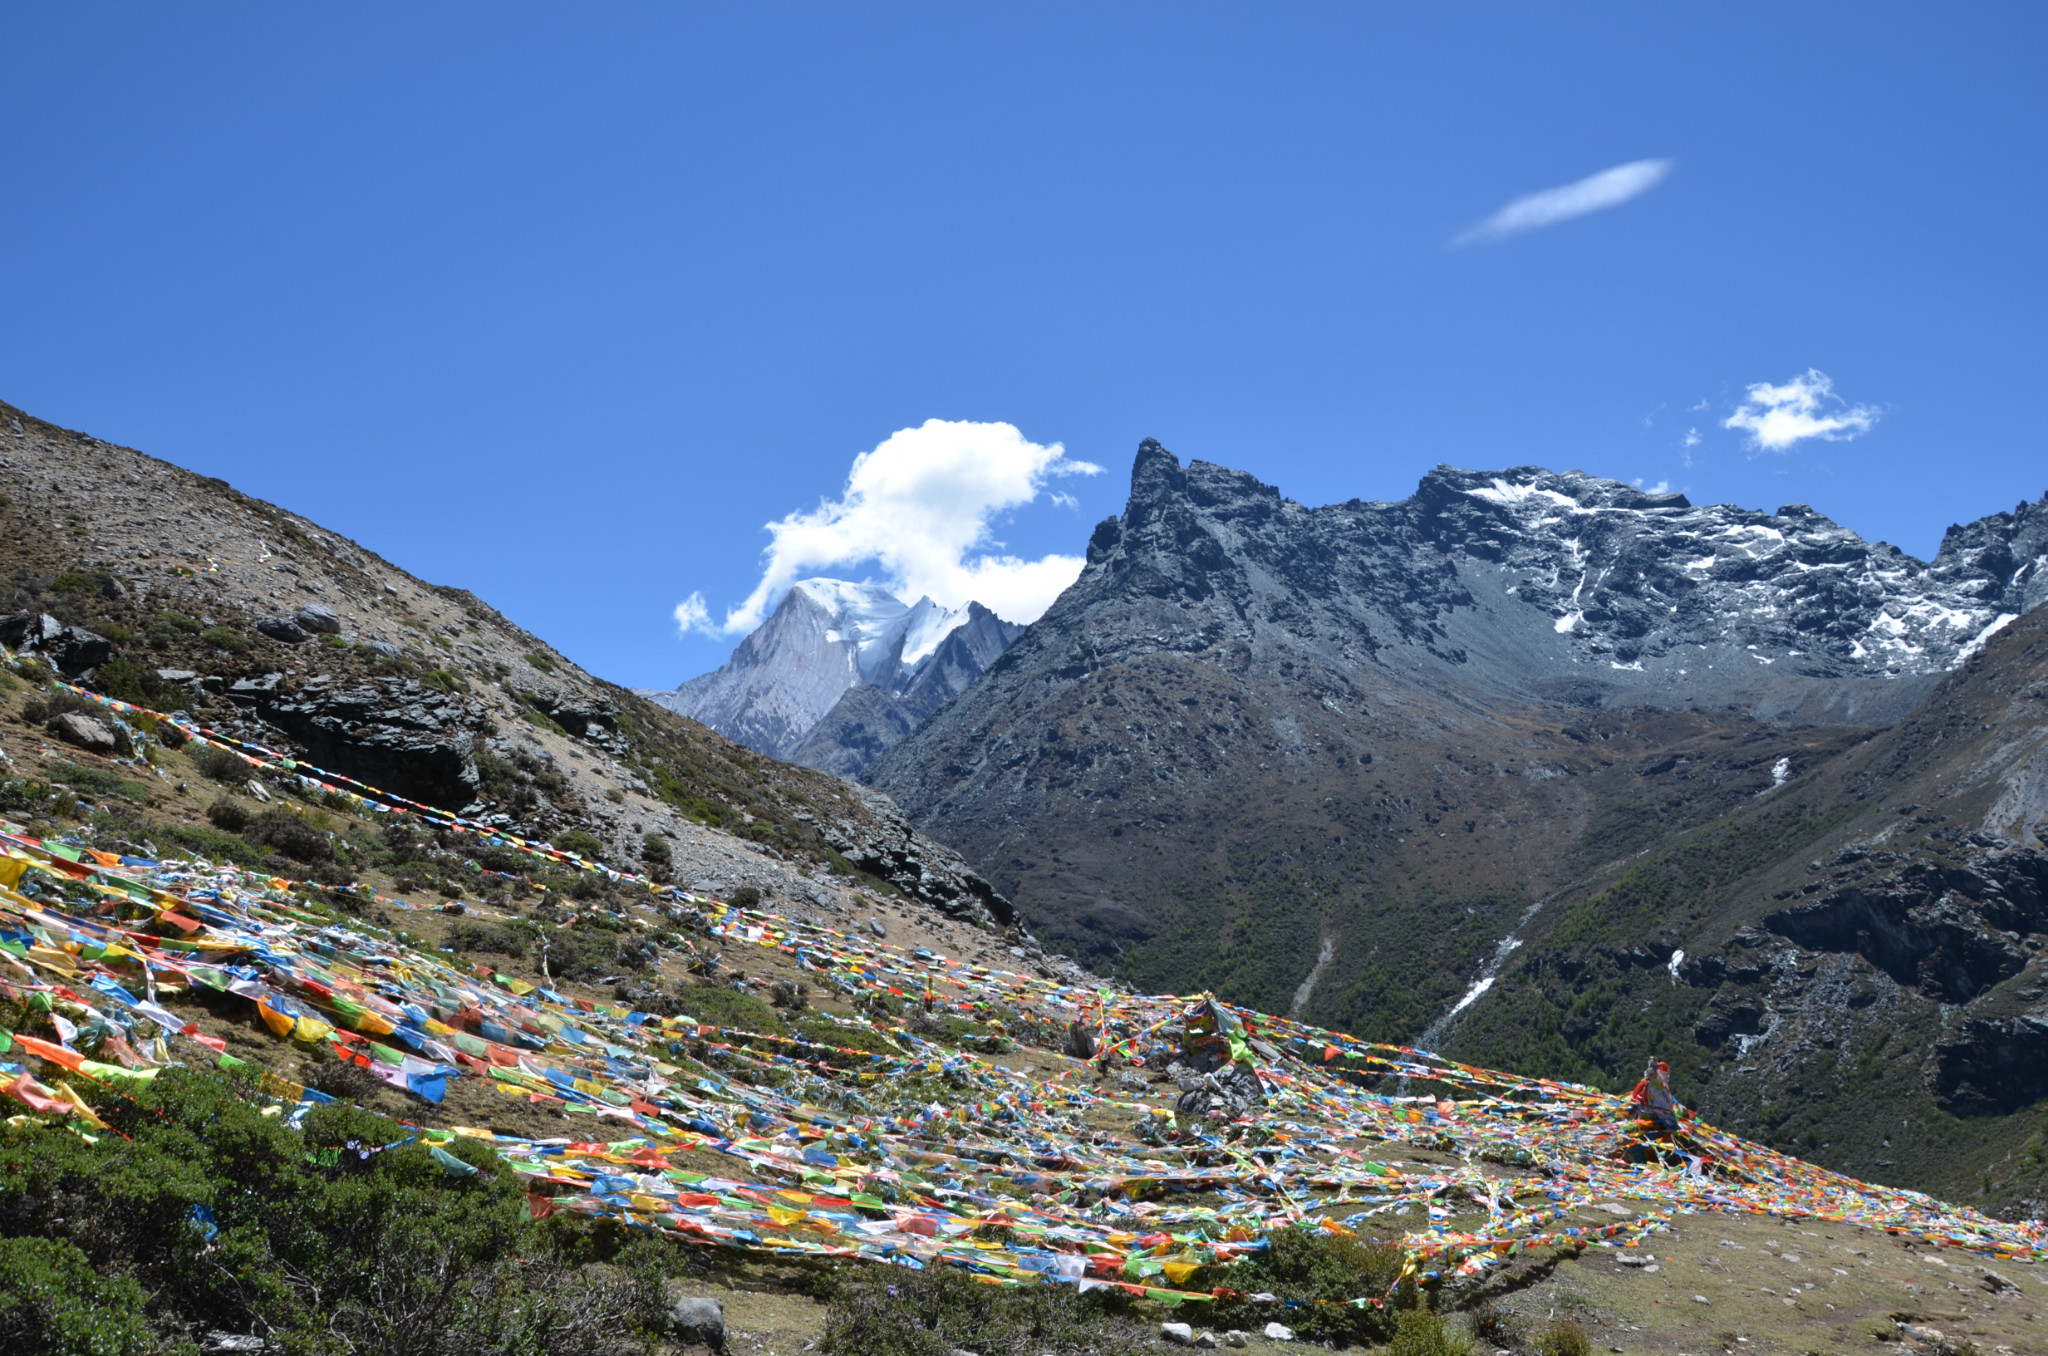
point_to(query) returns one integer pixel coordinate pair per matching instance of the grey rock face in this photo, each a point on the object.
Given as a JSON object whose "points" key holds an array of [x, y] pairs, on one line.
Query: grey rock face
{"points": [[84, 732], [283, 630], [318, 617], [390, 732]]}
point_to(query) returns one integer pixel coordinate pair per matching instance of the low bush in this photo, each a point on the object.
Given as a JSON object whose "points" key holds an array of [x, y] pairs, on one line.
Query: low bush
{"points": [[99, 782], [218, 764], [212, 844], [228, 815], [1419, 1332], [346, 1079], [487, 937], [1309, 1264], [1562, 1338], [227, 638], [52, 1303], [290, 835], [232, 1222], [583, 844], [893, 1311], [717, 1005]]}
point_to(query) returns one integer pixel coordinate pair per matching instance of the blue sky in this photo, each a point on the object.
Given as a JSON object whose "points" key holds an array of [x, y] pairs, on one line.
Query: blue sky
{"points": [[564, 304]]}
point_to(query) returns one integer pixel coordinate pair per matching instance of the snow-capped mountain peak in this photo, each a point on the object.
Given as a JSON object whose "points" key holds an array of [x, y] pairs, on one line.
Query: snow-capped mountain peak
{"points": [[825, 637]]}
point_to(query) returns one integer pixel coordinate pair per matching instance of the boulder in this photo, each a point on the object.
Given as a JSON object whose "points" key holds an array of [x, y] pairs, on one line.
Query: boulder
{"points": [[385, 648], [698, 1321], [85, 732], [1279, 1332], [319, 617], [71, 649], [283, 630], [1180, 1334], [875, 926]]}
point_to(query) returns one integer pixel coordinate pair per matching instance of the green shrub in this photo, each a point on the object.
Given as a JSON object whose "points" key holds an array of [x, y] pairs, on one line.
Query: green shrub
{"points": [[287, 833], [487, 937], [218, 764], [99, 782], [227, 638], [127, 681], [52, 1303], [230, 1221], [1562, 1338], [213, 844], [1309, 1264], [541, 662], [1419, 1332], [893, 1311], [80, 581], [230, 816], [172, 623], [583, 844], [716, 1005]]}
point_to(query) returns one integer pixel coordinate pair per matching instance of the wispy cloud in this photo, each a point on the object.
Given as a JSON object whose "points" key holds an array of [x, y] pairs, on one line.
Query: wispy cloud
{"points": [[1778, 417], [1691, 438], [1661, 487], [920, 505], [1594, 193], [692, 615]]}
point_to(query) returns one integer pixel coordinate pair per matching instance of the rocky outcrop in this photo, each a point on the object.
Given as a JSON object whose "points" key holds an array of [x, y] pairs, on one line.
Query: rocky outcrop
{"points": [[886, 845], [392, 733], [1991, 1066], [1952, 932], [71, 650]]}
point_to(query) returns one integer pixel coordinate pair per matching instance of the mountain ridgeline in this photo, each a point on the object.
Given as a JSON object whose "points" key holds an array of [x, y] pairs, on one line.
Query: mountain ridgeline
{"points": [[1477, 766]]}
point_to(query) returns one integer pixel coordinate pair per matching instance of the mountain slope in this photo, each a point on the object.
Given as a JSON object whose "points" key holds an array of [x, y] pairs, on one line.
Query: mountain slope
{"points": [[1329, 760], [266, 626], [1865, 951]]}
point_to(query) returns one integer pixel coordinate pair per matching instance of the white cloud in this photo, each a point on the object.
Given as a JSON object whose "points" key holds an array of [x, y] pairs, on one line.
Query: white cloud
{"points": [[692, 615], [920, 506], [1691, 439], [1776, 417], [1661, 487], [1597, 192]]}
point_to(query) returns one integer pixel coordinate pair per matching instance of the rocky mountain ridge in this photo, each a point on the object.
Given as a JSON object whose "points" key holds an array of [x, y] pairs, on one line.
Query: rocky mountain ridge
{"points": [[1369, 762]]}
